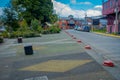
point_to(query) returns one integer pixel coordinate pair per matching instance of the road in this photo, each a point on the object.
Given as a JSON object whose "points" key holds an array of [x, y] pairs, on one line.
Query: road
{"points": [[105, 48], [109, 46]]}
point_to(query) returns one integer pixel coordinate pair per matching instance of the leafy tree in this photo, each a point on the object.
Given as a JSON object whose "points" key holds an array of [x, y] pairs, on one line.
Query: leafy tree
{"points": [[32, 11], [35, 25], [10, 19], [24, 24], [41, 10], [54, 18]]}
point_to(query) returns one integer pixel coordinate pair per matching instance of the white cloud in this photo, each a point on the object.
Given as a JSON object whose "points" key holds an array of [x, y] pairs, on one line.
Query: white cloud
{"points": [[93, 12], [98, 7], [86, 3], [73, 1], [65, 10]]}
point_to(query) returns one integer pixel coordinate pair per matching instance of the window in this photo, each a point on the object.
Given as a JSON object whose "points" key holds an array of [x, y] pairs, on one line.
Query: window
{"points": [[119, 17], [111, 4]]}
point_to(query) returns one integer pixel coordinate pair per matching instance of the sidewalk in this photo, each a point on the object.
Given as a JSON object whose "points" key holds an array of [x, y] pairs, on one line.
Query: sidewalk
{"points": [[56, 57], [107, 34]]}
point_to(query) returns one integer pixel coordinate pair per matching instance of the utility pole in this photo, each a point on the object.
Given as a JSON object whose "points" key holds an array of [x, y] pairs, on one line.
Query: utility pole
{"points": [[116, 15], [85, 19]]}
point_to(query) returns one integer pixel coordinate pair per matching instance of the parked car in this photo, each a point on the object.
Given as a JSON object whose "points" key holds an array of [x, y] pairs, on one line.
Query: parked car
{"points": [[79, 28], [76, 27], [86, 28]]}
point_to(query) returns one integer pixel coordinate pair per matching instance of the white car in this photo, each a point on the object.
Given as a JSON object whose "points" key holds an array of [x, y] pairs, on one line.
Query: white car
{"points": [[76, 27], [79, 28]]}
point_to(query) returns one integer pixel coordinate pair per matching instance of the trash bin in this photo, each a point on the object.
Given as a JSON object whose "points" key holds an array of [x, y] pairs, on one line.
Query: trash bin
{"points": [[19, 39], [28, 50]]}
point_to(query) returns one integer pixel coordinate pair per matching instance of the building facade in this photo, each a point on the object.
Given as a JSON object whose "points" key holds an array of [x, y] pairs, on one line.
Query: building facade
{"points": [[111, 9], [69, 22]]}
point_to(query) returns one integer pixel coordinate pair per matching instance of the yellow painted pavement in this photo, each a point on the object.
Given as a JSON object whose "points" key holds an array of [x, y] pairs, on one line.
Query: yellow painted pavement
{"points": [[56, 65], [39, 47]]}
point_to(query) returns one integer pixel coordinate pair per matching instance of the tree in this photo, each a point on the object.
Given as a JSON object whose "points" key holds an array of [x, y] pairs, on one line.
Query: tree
{"points": [[35, 25], [54, 18], [11, 19], [41, 10]]}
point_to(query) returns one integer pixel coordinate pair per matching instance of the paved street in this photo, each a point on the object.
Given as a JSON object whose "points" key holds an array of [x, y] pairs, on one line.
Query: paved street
{"points": [[56, 57], [103, 48], [106, 46]]}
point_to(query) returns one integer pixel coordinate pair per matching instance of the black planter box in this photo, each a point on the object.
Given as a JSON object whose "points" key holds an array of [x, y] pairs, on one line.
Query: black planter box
{"points": [[28, 50], [19, 39]]}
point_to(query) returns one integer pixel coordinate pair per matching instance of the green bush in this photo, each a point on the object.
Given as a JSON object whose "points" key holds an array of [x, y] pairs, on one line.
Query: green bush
{"points": [[45, 32], [5, 34], [25, 34], [39, 29], [103, 30], [35, 25], [51, 30], [24, 31]]}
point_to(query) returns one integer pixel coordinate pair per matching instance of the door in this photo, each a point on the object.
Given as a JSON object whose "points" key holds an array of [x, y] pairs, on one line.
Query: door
{"points": [[119, 28]]}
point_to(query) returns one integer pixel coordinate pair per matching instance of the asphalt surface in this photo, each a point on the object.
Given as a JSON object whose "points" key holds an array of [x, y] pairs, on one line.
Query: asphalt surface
{"points": [[108, 46], [56, 57], [104, 48]]}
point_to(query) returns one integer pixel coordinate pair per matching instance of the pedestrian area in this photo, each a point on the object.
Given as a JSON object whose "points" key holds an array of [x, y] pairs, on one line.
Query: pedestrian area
{"points": [[55, 57]]}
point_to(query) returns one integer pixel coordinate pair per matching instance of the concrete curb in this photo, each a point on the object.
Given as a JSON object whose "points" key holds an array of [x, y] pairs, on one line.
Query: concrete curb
{"points": [[105, 34]]}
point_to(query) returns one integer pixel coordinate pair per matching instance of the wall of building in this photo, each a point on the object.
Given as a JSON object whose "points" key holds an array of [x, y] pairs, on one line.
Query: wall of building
{"points": [[109, 8], [68, 23]]}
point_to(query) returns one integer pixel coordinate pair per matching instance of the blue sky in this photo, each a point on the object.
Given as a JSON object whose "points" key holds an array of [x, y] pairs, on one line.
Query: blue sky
{"points": [[3, 3], [77, 8], [81, 4]]}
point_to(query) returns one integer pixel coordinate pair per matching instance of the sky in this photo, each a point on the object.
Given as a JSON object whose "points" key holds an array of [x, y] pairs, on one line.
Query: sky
{"points": [[77, 8], [3, 4]]}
